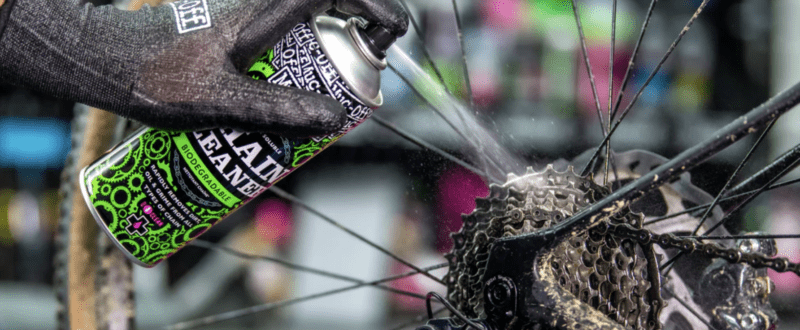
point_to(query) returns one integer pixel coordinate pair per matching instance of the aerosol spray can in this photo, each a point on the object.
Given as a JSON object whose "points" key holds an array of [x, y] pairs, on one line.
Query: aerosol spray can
{"points": [[160, 189]]}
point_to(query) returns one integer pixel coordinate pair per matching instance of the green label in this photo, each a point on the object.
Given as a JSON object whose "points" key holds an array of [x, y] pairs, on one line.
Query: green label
{"points": [[146, 199], [161, 189], [202, 173]]}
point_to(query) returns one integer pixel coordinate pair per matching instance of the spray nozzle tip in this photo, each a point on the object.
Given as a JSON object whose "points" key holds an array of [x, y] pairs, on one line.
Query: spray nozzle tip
{"points": [[378, 39]]}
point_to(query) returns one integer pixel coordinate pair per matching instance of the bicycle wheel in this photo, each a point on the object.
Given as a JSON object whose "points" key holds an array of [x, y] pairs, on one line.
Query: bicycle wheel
{"points": [[623, 168]]}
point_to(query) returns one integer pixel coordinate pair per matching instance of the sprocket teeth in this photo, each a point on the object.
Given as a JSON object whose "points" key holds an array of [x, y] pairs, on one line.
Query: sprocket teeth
{"points": [[469, 220], [483, 204], [458, 238], [513, 193], [511, 177], [571, 199], [498, 206], [549, 203], [543, 199], [527, 227], [495, 190], [571, 208]]}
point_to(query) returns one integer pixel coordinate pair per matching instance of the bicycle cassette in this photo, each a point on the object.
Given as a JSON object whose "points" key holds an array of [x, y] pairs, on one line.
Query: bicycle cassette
{"points": [[517, 264], [606, 278]]}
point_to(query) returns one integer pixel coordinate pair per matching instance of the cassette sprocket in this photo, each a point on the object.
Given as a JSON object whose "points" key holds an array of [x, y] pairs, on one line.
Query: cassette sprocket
{"points": [[608, 274]]}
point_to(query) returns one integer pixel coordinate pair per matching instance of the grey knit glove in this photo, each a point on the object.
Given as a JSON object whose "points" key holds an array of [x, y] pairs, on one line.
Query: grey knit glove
{"points": [[178, 66]]}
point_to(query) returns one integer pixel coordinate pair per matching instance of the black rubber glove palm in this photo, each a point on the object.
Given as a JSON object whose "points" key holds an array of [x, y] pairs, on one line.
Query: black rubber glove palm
{"points": [[178, 66]]}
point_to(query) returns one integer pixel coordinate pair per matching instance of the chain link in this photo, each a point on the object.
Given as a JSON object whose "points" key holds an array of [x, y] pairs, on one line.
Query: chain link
{"points": [[691, 245]]}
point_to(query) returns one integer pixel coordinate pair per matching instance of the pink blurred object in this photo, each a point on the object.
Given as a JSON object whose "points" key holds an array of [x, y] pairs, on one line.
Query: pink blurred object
{"points": [[417, 284], [598, 58], [785, 283], [274, 221], [485, 88], [408, 284], [458, 189], [503, 14], [784, 212]]}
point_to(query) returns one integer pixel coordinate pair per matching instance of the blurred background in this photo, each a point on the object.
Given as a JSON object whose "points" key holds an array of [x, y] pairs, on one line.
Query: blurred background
{"points": [[530, 87]]}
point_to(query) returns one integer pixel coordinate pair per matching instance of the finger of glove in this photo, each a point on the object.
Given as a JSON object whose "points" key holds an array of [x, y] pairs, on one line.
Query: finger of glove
{"points": [[255, 105], [274, 20], [237, 101], [389, 13]]}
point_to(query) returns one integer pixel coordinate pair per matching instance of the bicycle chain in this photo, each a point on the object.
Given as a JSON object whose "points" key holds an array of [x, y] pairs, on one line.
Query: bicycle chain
{"points": [[691, 245]]}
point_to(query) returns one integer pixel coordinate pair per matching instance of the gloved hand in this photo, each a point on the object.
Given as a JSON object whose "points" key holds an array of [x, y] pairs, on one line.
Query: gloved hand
{"points": [[174, 72]]}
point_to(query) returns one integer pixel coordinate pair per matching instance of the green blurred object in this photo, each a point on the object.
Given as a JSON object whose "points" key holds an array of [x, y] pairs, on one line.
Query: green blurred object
{"points": [[560, 88], [595, 17], [6, 239], [691, 91], [545, 9], [752, 218], [451, 73]]}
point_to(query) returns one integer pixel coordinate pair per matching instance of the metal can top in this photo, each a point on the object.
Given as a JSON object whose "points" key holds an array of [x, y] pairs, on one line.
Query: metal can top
{"points": [[357, 66]]}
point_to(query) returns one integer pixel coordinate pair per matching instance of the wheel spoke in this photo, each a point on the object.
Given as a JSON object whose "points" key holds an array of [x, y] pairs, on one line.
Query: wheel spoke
{"points": [[425, 145], [453, 310], [611, 55], [425, 53], [666, 268], [632, 62], [730, 212], [288, 302], [283, 194], [664, 58], [647, 82], [747, 200], [689, 308], [777, 166], [610, 84], [588, 67], [460, 31], [750, 236], [216, 247], [730, 198], [631, 192], [438, 73], [460, 132], [733, 175]]}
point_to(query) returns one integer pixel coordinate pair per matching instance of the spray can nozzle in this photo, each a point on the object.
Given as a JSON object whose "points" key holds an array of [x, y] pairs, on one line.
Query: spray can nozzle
{"points": [[378, 38]]}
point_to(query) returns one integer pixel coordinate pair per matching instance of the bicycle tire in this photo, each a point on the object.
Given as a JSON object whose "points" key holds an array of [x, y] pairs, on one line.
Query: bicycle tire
{"points": [[89, 274]]}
